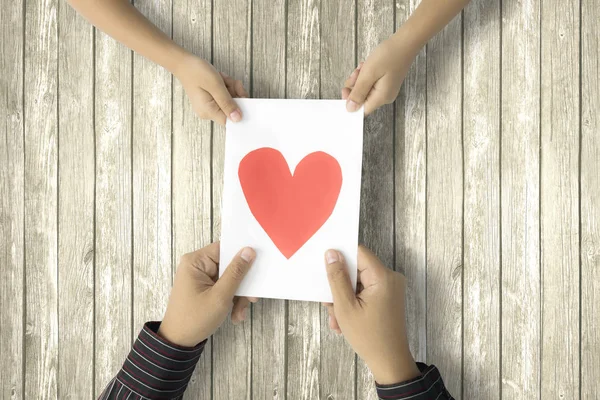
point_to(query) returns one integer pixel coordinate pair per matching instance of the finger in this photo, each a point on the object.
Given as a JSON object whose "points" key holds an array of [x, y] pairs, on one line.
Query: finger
{"points": [[370, 268], [339, 279], [228, 106], [351, 81], [235, 272], [252, 299], [219, 117], [240, 90], [239, 311], [345, 93], [373, 102], [332, 320], [360, 91]]}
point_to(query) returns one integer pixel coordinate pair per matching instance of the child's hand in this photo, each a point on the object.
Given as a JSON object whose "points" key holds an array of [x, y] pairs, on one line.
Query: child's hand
{"points": [[377, 81], [199, 303], [372, 321], [209, 91]]}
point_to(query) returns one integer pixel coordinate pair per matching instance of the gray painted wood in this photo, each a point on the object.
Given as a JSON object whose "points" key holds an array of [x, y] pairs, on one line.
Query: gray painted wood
{"points": [[113, 213], [152, 269], [269, 328], [375, 23], [410, 185], [232, 344], [192, 225], [75, 205], [337, 369], [590, 201], [11, 201], [481, 145], [303, 82], [445, 205], [56, 234], [41, 199], [519, 221], [559, 188]]}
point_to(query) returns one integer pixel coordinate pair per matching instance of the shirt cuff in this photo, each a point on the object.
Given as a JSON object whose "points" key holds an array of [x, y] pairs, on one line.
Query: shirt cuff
{"points": [[427, 386], [156, 368]]}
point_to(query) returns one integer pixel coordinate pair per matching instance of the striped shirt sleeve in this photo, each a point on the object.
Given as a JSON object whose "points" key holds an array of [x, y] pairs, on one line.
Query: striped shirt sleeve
{"points": [[154, 369], [428, 386]]}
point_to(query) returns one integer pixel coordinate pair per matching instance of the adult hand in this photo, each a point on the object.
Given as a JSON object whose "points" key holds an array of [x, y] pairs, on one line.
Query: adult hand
{"points": [[377, 81], [210, 92], [199, 303], [373, 320]]}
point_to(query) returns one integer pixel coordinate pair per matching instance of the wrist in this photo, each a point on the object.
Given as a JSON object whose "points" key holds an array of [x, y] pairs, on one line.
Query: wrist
{"points": [[173, 335], [412, 35], [395, 369]]}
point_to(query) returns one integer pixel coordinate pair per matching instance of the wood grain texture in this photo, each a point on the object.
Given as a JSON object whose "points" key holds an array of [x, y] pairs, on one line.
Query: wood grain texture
{"points": [[41, 197], [303, 82], [338, 367], [520, 161], [410, 185], [11, 201], [152, 269], [192, 225], [590, 201], [75, 205], [375, 23], [445, 205], [560, 199], [232, 344], [481, 145], [113, 233], [269, 322]]}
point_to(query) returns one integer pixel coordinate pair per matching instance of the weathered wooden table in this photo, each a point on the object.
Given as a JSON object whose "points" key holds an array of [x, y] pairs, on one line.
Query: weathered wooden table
{"points": [[481, 183]]}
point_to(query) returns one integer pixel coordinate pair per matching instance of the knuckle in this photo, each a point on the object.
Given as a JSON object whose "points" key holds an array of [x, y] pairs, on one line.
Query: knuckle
{"points": [[337, 273], [237, 271]]}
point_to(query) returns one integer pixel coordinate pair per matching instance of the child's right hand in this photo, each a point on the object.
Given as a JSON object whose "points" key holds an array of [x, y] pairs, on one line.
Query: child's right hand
{"points": [[210, 92], [372, 321]]}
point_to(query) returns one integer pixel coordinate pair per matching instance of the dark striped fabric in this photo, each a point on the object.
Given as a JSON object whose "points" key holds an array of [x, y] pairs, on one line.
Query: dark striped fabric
{"points": [[428, 386], [154, 369], [157, 369]]}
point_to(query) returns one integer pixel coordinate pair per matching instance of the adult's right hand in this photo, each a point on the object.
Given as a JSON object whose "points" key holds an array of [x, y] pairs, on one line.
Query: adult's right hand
{"points": [[372, 320]]}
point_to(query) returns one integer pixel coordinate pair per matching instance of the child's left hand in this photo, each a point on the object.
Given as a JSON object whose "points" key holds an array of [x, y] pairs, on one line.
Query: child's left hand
{"points": [[377, 81]]}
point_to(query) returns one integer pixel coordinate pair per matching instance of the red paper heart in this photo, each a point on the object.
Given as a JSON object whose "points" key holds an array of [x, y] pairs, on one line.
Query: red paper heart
{"points": [[290, 208]]}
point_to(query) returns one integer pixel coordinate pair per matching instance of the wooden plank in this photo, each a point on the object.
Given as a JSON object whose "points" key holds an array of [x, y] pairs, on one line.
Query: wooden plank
{"points": [[75, 205], [268, 315], [192, 224], [411, 165], [560, 199], [375, 23], [590, 201], [520, 161], [232, 345], [11, 202], [152, 270], [302, 82], [337, 368], [481, 144], [113, 247], [41, 164], [444, 205]]}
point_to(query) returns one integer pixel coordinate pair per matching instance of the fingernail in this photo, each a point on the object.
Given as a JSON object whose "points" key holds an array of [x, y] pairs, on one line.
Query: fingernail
{"points": [[248, 254], [235, 116], [359, 66], [330, 320], [352, 106], [331, 256]]}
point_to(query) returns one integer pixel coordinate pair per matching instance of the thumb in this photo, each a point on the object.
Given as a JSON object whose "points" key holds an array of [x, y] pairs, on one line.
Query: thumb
{"points": [[360, 91], [235, 272], [223, 98], [339, 279]]}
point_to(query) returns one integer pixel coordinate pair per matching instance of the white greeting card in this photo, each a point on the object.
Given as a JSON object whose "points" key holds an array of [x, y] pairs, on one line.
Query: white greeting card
{"points": [[292, 191]]}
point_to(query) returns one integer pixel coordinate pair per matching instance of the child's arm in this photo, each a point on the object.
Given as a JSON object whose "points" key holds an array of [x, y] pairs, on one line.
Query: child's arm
{"points": [[377, 81], [210, 93]]}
